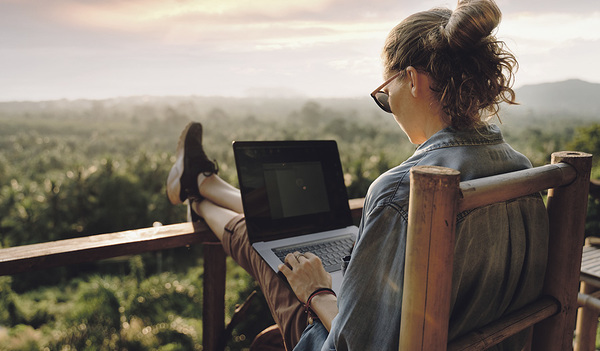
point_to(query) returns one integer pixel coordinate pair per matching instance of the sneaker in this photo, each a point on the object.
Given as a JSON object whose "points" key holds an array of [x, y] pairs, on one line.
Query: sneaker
{"points": [[190, 162]]}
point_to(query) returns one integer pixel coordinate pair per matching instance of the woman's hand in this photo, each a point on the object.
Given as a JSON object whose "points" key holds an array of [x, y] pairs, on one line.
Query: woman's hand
{"points": [[305, 273]]}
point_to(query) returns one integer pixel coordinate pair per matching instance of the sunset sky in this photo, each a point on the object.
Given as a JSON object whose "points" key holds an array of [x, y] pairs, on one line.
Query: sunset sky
{"points": [[55, 49]]}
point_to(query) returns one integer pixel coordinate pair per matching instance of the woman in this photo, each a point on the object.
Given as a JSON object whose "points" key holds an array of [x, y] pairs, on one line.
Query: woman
{"points": [[444, 71]]}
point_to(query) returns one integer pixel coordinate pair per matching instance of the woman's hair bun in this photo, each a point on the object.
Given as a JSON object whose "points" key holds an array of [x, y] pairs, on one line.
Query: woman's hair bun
{"points": [[472, 21]]}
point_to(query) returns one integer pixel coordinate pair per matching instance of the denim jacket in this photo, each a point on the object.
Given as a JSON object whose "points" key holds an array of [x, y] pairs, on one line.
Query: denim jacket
{"points": [[500, 250]]}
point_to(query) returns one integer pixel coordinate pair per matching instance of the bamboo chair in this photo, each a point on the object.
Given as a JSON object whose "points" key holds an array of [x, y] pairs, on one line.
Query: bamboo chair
{"points": [[436, 197]]}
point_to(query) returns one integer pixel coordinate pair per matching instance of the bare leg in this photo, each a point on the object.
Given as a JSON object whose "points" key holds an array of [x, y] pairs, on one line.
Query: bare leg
{"points": [[221, 203], [214, 215], [220, 192]]}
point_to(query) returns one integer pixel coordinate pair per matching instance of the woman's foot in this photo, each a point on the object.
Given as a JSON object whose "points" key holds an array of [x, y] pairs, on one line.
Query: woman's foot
{"points": [[190, 162]]}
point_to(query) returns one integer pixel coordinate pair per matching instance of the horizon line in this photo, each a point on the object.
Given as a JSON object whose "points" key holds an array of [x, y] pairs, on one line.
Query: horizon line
{"points": [[290, 95]]}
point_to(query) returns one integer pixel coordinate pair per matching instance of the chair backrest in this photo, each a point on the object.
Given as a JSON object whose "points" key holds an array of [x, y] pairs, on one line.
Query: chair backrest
{"points": [[436, 197]]}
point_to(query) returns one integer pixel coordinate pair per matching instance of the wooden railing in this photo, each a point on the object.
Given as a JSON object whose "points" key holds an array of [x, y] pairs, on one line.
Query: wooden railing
{"points": [[25, 258]]}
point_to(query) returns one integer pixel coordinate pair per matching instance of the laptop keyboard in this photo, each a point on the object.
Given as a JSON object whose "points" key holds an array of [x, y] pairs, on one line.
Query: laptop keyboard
{"points": [[330, 251]]}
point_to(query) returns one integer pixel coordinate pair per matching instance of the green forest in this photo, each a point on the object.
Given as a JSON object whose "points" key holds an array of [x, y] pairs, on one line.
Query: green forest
{"points": [[77, 168]]}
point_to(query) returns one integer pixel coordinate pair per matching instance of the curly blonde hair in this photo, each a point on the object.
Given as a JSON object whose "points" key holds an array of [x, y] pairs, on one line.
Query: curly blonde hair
{"points": [[472, 71]]}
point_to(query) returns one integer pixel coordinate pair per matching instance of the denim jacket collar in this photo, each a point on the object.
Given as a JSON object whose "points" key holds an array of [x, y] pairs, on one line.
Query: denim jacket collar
{"points": [[448, 137]]}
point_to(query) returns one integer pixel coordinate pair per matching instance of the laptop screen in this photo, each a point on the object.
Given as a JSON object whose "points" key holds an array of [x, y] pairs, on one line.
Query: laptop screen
{"points": [[291, 188]]}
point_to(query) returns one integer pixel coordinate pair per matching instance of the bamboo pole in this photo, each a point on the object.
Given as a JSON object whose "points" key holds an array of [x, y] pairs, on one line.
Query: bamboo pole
{"points": [[502, 187], [587, 319], [591, 300], [429, 251], [567, 207]]}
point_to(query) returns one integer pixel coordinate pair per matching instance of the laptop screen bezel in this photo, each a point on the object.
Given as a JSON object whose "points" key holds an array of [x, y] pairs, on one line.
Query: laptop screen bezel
{"points": [[250, 156]]}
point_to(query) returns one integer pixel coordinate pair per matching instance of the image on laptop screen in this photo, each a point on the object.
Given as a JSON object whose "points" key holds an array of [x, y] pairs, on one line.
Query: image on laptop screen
{"points": [[295, 189]]}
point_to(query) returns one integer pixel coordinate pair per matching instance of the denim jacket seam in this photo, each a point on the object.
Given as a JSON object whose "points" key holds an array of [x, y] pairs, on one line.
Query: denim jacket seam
{"points": [[394, 193], [394, 204], [396, 207], [390, 199], [455, 143]]}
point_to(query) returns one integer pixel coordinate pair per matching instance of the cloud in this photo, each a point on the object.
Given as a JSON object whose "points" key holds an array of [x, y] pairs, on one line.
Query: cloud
{"points": [[574, 59], [136, 15], [540, 32], [223, 25], [550, 52], [534, 7], [72, 47]]}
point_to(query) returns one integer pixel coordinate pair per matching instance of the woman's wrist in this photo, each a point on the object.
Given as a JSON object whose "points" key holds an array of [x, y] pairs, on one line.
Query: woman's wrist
{"points": [[317, 292], [319, 300], [324, 308], [320, 291]]}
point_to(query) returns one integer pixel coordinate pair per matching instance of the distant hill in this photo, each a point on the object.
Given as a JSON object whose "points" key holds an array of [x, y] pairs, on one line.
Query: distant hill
{"points": [[573, 97], [570, 98]]}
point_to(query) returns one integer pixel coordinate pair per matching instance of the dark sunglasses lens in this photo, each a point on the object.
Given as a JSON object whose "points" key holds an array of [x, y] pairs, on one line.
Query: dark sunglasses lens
{"points": [[382, 100]]}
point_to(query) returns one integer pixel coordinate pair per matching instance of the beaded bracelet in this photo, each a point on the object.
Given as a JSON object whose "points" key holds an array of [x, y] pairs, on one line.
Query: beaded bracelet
{"points": [[307, 308]]}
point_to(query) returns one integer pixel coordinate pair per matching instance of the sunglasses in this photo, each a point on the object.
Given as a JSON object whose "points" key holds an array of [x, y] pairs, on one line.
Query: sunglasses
{"points": [[382, 98]]}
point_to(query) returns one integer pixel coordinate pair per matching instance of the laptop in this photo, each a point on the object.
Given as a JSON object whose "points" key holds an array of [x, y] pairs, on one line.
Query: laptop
{"points": [[295, 199]]}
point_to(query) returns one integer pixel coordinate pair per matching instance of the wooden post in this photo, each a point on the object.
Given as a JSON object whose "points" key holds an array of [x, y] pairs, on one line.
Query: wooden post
{"points": [[567, 208], [213, 307], [428, 282], [587, 323]]}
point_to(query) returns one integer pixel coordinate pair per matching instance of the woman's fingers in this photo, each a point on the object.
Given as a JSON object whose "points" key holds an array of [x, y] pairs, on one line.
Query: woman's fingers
{"points": [[285, 269], [294, 258], [311, 256]]}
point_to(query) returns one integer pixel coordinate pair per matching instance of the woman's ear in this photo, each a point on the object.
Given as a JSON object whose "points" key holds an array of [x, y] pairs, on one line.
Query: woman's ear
{"points": [[413, 80]]}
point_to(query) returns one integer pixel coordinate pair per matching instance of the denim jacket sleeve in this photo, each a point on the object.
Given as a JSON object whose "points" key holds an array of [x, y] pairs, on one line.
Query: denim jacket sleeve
{"points": [[372, 285]]}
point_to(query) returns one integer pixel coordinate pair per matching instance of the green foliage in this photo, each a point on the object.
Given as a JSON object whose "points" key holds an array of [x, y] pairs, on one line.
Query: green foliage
{"points": [[71, 169], [587, 139], [592, 222], [103, 197], [110, 313], [538, 137], [21, 337], [9, 313], [162, 294], [94, 321]]}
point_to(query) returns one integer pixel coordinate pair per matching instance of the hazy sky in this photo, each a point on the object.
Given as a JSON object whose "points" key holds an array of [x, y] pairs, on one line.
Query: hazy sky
{"points": [[53, 49]]}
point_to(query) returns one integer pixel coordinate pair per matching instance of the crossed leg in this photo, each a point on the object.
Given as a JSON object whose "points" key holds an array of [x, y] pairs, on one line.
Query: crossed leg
{"points": [[221, 208], [222, 202]]}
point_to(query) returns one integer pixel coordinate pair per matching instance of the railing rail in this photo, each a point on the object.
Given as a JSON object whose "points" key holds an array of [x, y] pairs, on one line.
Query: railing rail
{"points": [[98, 247]]}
